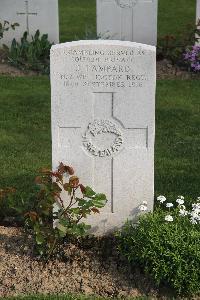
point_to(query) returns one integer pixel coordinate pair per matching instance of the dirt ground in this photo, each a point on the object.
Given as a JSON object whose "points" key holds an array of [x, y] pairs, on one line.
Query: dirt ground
{"points": [[91, 267], [6, 69]]}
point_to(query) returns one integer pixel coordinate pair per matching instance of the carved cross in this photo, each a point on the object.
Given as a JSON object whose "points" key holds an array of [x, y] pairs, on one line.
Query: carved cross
{"points": [[27, 14], [102, 140]]}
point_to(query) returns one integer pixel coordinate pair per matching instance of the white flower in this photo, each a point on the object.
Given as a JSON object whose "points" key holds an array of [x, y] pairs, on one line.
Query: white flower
{"points": [[169, 205], [196, 206], [183, 212], [142, 207], [180, 201], [144, 203], [198, 198], [169, 218], [181, 197], [182, 207], [193, 221], [161, 198]]}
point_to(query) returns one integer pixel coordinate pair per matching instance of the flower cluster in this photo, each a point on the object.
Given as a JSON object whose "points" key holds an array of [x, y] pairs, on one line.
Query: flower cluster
{"points": [[192, 57], [143, 206], [194, 214]]}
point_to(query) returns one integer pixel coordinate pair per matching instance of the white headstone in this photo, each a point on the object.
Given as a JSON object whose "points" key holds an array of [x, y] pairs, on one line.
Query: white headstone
{"points": [[128, 20], [103, 102], [31, 15]]}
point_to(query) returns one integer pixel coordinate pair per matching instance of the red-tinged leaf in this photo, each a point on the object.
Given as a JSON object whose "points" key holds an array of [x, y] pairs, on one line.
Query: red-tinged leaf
{"points": [[61, 168], [82, 188], [57, 175], [70, 170], [32, 215], [74, 181], [95, 210], [38, 180], [65, 169]]}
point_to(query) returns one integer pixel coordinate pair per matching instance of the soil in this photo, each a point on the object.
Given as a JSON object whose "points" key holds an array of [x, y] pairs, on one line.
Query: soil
{"points": [[6, 69], [165, 70], [92, 266]]}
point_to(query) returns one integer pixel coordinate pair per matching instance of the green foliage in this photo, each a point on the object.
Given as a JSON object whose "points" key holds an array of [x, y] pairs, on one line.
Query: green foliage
{"points": [[31, 55], [51, 218], [5, 26], [168, 249], [172, 47]]}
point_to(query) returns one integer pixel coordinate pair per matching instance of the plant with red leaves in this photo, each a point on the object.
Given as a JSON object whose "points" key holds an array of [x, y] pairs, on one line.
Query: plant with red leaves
{"points": [[51, 217]]}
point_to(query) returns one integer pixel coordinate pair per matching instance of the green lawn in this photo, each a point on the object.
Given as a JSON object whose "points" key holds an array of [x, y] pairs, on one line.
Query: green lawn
{"points": [[177, 160], [25, 139], [76, 18], [79, 16]]}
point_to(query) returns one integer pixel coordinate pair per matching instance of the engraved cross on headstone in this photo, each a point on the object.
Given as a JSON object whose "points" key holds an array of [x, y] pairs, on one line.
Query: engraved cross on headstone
{"points": [[27, 14], [109, 140], [130, 5]]}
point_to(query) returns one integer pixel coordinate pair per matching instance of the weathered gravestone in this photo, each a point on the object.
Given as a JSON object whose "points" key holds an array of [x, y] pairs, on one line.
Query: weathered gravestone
{"points": [[31, 16], [129, 20], [103, 97]]}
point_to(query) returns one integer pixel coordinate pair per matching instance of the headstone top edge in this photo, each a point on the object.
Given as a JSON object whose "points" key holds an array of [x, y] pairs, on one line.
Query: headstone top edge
{"points": [[103, 43]]}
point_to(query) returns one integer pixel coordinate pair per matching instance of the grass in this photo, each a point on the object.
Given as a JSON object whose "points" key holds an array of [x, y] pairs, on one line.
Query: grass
{"points": [[25, 139], [173, 16], [76, 17], [79, 16], [177, 159], [24, 130]]}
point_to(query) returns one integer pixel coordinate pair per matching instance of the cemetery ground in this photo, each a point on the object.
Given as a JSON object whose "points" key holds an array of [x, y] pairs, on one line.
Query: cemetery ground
{"points": [[90, 267]]}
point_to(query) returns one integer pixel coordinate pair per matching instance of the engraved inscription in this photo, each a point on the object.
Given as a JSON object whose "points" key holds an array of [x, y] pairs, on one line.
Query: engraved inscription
{"points": [[103, 68], [102, 127], [126, 3]]}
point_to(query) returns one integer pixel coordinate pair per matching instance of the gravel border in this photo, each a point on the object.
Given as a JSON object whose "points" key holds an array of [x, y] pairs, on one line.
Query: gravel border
{"points": [[91, 266]]}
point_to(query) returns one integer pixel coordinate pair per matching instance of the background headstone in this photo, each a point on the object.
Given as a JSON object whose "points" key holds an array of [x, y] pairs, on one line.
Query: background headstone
{"points": [[128, 20], [31, 15], [103, 98]]}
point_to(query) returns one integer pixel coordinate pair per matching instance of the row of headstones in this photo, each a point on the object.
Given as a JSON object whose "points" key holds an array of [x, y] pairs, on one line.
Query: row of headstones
{"points": [[130, 20]]}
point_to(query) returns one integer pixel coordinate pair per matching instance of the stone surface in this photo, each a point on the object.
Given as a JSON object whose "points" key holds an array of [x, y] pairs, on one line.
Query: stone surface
{"points": [[31, 15], [129, 20], [198, 10], [103, 97]]}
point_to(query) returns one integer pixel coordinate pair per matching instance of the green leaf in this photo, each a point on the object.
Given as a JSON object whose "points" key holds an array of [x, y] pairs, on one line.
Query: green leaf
{"points": [[61, 228], [89, 192], [39, 239], [100, 197]]}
